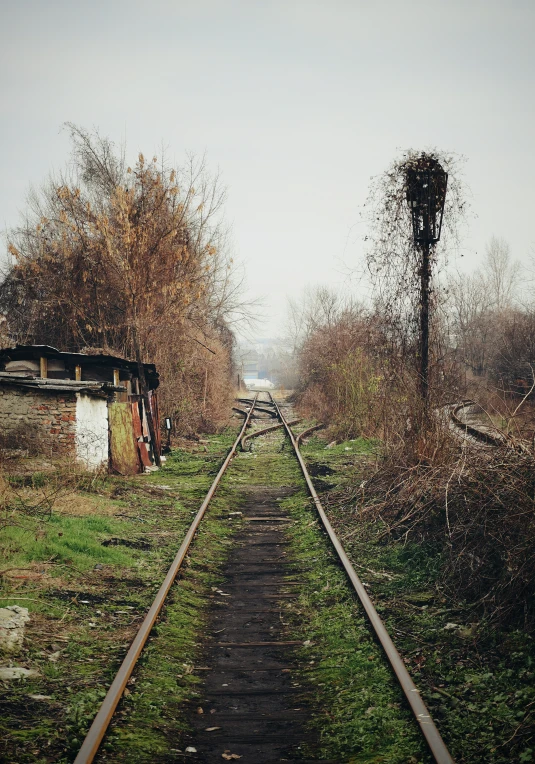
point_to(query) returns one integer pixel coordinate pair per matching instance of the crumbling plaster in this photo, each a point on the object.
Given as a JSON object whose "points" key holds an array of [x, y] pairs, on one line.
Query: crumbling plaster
{"points": [[47, 417]]}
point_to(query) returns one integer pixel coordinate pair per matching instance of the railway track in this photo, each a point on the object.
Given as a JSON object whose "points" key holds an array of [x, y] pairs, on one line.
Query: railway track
{"points": [[465, 419], [251, 707]]}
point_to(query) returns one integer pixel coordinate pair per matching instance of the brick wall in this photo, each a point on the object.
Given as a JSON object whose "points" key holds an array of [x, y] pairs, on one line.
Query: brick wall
{"points": [[45, 417]]}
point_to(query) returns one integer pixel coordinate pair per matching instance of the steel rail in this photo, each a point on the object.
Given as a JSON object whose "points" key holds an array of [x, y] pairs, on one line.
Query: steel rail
{"points": [[101, 721], [256, 433], [486, 437], [259, 407], [421, 713], [307, 432]]}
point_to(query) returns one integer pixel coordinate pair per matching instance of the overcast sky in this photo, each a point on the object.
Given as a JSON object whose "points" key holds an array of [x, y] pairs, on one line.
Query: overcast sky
{"points": [[298, 103]]}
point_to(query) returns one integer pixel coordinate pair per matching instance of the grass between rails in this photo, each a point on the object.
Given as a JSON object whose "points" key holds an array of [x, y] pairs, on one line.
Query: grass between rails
{"points": [[87, 581], [477, 681], [359, 711]]}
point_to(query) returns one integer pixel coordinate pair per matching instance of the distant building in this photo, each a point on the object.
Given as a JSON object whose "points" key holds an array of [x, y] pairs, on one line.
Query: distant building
{"points": [[263, 358], [249, 364], [87, 407], [259, 384]]}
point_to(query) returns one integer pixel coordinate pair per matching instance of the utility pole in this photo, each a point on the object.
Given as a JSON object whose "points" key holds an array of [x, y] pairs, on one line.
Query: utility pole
{"points": [[425, 279]]}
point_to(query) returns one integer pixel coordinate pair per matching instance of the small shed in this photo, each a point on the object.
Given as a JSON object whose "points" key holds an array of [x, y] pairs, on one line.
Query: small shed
{"points": [[78, 405]]}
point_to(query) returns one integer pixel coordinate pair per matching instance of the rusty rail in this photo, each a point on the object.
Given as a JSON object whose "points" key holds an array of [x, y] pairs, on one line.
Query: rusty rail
{"points": [[421, 713], [256, 433], [307, 432], [485, 437], [101, 721]]}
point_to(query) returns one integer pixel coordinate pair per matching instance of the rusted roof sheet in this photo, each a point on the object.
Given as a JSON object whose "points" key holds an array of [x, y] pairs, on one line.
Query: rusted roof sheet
{"points": [[55, 385], [83, 359]]}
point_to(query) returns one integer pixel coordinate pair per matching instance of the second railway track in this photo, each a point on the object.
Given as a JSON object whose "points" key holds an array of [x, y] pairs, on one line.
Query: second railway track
{"points": [[253, 701]]}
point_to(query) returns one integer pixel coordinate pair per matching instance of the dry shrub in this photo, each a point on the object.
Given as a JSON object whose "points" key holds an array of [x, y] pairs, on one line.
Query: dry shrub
{"points": [[477, 503], [196, 382], [341, 380], [23, 508], [31, 488], [356, 379], [511, 411]]}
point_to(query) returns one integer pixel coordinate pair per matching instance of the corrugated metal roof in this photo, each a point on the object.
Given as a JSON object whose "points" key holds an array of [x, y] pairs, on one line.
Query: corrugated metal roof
{"points": [[34, 352], [59, 385]]}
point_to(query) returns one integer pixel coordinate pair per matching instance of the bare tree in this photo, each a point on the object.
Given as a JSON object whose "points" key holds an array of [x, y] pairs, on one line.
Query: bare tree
{"points": [[319, 306], [469, 308], [480, 305], [500, 274]]}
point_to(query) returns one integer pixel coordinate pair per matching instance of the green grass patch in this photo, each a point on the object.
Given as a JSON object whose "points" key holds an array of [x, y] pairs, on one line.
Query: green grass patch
{"points": [[70, 540], [87, 597]]}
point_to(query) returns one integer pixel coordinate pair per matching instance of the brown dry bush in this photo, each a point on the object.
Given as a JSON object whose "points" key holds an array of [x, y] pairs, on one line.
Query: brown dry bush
{"points": [[134, 261], [354, 376], [22, 507], [478, 504], [340, 381], [475, 502], [195, 389]]}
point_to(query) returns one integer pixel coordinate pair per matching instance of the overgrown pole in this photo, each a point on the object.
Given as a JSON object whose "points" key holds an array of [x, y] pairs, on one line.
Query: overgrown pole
{"points": [[425, 280], [425, 184]]}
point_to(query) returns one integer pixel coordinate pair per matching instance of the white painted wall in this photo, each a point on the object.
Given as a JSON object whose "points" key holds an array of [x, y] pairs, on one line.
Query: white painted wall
{"points": [[91, 431]]}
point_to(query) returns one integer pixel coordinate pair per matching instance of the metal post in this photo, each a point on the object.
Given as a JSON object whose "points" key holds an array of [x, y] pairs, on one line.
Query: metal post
{"points": [[425, 278]]}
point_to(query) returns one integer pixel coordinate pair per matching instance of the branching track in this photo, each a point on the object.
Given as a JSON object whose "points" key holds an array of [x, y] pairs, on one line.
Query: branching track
{"points": [[490, 436], [259, 583], [465, 418]]}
